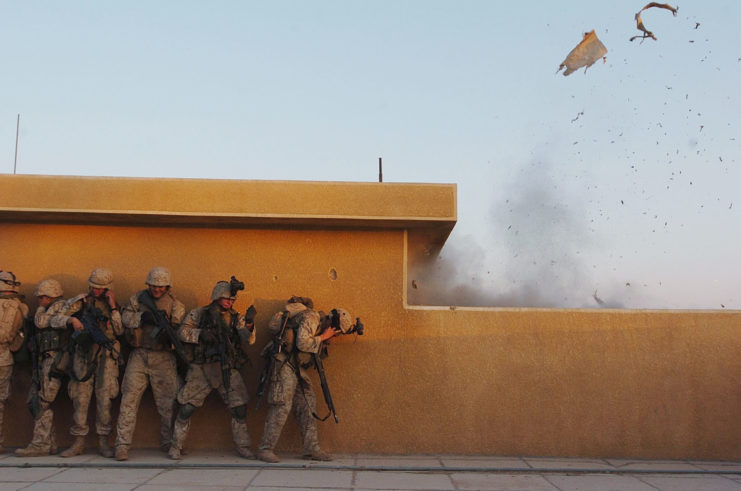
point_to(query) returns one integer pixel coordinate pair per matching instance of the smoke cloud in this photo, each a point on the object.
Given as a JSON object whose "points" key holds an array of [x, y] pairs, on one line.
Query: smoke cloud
{"points": [[538, 235]]}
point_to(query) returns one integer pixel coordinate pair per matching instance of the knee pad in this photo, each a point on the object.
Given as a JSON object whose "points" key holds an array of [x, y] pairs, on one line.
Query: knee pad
{"points": [[239, 412], [186, 411]]}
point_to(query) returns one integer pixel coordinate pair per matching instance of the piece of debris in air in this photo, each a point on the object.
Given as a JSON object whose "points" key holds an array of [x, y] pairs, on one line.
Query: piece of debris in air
{"points": [[639, 21], [589, 50]]}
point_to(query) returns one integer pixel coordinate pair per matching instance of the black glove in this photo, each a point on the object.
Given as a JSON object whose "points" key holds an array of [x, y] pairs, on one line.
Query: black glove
{"points": [[148, 318], [207, 337], [249, 316]]}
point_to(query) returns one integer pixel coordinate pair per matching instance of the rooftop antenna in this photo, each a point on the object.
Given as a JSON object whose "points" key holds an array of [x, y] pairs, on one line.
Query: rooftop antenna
{"points": [[380, 169], [17, 127]]}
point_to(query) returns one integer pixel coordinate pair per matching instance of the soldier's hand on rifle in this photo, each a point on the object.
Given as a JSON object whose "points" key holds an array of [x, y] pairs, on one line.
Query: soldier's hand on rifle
{"points": [[207, 337], [148, 318], [75, 323]]}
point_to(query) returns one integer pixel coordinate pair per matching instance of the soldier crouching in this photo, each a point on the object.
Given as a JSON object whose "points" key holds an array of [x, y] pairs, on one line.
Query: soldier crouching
{"points": [[219, 336], [152, 361]]}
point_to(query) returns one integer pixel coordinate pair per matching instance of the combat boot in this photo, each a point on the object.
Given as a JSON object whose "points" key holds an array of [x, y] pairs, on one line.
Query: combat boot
{"points": [[31, 451], [317, 454], [104, 448], [245, 453], [77, 447], [267, 455], [174, 453], [122, 452]]}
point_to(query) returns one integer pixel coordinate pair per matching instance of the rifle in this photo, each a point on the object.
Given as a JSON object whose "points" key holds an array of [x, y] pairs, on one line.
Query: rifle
{"points": [[91, 317], [34, 403], [267, 371], [160, 318], [325, 388], [333, 322], [224, 347]]}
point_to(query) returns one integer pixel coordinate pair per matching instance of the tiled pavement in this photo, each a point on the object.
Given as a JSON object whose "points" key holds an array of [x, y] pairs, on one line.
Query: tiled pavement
{"points": [[151, 470]]}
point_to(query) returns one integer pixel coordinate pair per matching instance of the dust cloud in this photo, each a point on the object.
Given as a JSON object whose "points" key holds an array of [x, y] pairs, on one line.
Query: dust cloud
{"points": [[534, 255]]}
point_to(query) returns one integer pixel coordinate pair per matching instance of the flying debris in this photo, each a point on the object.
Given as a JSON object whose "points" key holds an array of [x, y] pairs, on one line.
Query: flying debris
{"points": [[639, 21], [589, 50], [597, 299]]}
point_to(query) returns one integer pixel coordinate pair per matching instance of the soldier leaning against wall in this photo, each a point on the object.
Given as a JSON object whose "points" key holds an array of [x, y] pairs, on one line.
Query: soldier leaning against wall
{"points": [[48, 348], [152, 361], [298, 331], [96, 321], [218, 335], [13, 312]]}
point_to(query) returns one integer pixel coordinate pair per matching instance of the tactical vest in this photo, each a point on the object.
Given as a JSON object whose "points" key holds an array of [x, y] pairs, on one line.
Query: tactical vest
{"points": [[142, 337], [49, 339], [290, 337], [213, 320]]}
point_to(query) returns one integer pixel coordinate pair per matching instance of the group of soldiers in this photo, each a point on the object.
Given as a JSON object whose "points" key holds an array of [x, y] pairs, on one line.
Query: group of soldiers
{"points": [[79, 337]]}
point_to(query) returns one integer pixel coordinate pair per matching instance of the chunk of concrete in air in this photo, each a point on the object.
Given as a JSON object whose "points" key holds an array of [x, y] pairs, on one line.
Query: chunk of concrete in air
{"points": [[589, 50]]}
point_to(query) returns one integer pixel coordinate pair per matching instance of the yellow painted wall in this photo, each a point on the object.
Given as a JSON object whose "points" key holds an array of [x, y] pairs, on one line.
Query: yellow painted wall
{"points": [[600, 383]]}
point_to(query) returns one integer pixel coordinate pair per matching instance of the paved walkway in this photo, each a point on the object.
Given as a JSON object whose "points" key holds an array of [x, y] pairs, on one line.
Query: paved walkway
{"points": [[151, 470]]}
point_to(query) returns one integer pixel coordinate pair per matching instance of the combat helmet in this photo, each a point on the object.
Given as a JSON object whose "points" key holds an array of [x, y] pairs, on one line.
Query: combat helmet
{"points": [[159, 276], [8, 282], [222, 290], [48, 288], [100, 278], [345, 319]]}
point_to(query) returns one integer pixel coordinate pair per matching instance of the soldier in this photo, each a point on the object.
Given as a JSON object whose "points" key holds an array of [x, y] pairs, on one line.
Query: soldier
{"points": [[13, 312], [219, 336], [48, 347], [152, 361], [304, 330], [96, 321]]}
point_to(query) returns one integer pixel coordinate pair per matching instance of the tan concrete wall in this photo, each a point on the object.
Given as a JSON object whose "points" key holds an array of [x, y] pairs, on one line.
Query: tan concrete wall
{"points": [[605, 383]]}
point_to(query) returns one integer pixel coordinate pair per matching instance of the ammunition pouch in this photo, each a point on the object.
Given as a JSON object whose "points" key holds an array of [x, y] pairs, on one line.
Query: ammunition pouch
{"points": [[141, 337], [51, 340]]}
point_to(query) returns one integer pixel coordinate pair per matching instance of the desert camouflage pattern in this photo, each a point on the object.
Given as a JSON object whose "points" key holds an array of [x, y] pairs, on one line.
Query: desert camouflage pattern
{"points": [[12, 314], [290, 386], [189, 331], [43, 427], [200, 381], [44, 433], [150, 363], [202, 378], [104, 381], [147, 367], [5, 373]]}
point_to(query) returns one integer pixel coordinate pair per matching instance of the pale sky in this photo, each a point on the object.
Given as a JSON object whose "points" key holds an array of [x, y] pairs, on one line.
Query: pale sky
{"points": [[622, 181]]}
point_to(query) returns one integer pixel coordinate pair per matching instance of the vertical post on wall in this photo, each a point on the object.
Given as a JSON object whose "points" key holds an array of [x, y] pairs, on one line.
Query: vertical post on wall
{"points": [[17, 127], [380, 169]]}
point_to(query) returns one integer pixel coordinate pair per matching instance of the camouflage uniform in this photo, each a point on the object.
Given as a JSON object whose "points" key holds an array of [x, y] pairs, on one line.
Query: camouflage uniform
{"points": [[50, 346], [151, 362], [290, 386], [13, 313], [93, 370], [205, 372]]}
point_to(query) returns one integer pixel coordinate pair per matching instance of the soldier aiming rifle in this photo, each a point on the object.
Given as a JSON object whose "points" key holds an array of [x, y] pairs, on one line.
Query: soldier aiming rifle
{"points": [[300, 334]]}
